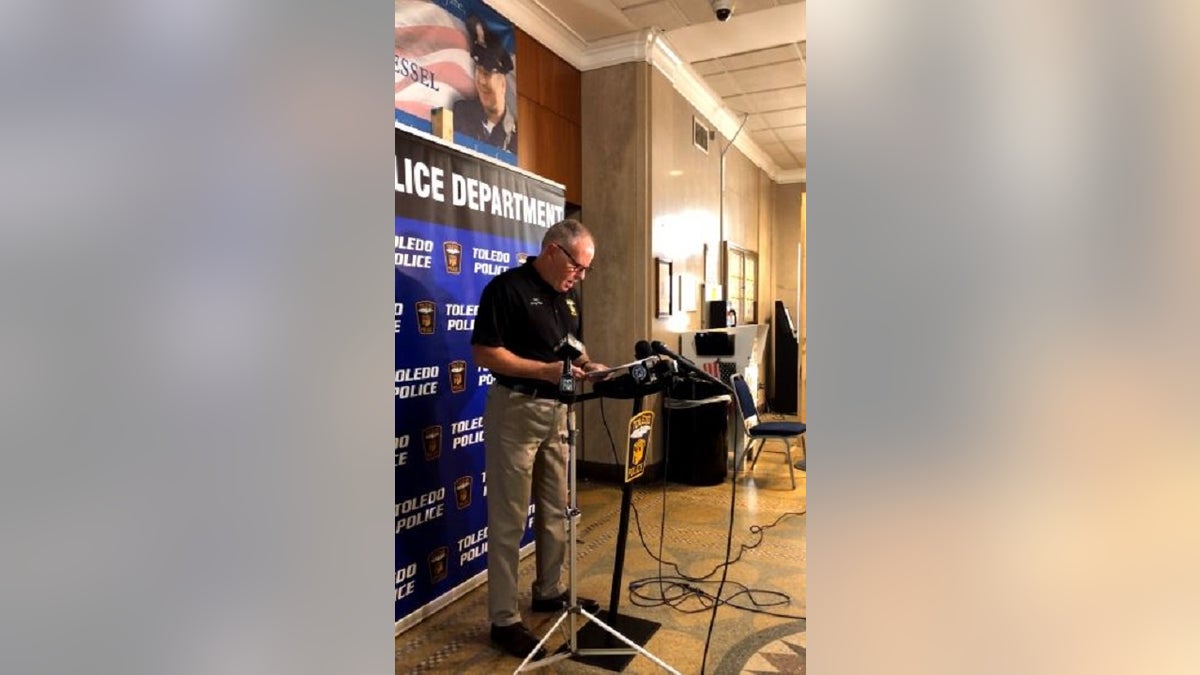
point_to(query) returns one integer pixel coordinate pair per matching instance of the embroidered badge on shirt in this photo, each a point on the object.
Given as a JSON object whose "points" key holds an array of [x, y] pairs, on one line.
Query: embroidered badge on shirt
{"points": [[571, 306], [535, 302]]}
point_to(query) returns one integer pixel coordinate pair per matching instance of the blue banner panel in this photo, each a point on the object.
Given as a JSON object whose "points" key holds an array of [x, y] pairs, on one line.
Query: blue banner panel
{"points": [[460, 221], [459, 55]]}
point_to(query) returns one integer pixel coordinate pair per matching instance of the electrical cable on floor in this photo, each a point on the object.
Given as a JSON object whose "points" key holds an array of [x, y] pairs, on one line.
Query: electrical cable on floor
{"points": [[754, 529], [675, 591], [712, 621], [662, 520]]}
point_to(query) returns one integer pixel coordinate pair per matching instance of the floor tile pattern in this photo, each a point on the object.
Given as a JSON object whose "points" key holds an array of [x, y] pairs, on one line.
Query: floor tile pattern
{"points": [[694, 527]]}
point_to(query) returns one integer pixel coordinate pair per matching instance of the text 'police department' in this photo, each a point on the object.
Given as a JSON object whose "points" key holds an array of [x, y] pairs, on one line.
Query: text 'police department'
{"points": [[426, 182]]}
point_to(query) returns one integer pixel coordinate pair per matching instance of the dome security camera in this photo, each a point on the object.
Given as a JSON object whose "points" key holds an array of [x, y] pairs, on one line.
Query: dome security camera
{"points": [[723, 9]]}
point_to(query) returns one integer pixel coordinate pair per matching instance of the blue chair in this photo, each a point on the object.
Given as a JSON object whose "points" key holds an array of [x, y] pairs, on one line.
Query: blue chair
{"points": [[764, 431]]}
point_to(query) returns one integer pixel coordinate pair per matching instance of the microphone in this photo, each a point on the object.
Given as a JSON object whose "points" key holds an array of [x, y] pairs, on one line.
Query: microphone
{"points": [[686, 364], [660, 348], [642, 350], [569, 348], [658, 365], [642, 378], [643, 353]]}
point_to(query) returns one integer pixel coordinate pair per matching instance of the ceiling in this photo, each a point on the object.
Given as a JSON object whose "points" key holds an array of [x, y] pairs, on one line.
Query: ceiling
{"points": [[752, 66]]}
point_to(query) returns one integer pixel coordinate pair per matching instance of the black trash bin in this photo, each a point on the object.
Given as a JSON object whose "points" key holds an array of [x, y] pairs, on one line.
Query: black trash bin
{"points": [[696, 413]]}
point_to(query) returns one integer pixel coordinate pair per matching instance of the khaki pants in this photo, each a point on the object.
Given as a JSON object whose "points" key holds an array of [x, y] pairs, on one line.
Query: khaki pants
{"points": [[525, 448]]}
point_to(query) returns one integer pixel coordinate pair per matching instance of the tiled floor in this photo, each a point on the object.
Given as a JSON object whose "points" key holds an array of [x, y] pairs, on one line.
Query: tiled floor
{"points": [[694, 531]]}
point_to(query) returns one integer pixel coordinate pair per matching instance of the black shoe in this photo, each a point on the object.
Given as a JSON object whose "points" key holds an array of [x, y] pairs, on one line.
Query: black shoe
{"points": [[516, 640], [560, 603]]}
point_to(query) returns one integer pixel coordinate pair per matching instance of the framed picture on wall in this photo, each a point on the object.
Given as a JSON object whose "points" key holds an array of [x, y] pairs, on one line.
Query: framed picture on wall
{"points": [[664, 285], [700, 135], [741, 282]]}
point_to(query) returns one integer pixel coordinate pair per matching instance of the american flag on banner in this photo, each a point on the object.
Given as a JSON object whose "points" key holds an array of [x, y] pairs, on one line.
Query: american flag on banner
{"points": [[722, 370], [433, 58]]}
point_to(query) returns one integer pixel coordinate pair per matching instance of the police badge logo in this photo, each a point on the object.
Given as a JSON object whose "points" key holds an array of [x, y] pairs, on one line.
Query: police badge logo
{"points": [[437, 564], [458, 376], [432, 437], [635, 451], [462, 492], [453, 254], [426, 317]]}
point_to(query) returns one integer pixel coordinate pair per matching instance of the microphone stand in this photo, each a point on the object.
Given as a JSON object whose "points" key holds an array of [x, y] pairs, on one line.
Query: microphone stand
{"points": [[614, 597], [566, 389], [640, 630], [686, 364]]}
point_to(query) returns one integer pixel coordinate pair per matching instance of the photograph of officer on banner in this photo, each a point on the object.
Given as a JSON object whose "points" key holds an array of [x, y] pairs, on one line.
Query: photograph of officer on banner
{"points": [[489, 116], [458, 56]]}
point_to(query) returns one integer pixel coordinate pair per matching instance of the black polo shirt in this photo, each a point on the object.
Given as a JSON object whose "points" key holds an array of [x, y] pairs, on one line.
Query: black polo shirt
{"points": [[527, 316]]}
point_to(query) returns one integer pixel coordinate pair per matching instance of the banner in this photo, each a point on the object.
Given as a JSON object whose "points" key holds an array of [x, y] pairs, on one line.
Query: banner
{"points": [[460, 221], [459, 55]]}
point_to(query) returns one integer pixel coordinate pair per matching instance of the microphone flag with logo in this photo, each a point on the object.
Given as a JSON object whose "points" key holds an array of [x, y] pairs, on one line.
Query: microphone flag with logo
{"points": [[635, 451]]}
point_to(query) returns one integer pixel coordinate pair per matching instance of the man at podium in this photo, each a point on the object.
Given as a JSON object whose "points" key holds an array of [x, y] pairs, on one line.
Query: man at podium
{"points": [[524, 314]]}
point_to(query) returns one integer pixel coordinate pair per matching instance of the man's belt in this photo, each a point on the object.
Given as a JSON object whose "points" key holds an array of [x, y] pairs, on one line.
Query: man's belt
{"points": [[549, 391]]}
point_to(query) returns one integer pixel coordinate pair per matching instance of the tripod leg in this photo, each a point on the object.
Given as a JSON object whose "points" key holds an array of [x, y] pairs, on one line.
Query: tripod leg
{"points": [[573, 605], [635, 646], [549, 659]]}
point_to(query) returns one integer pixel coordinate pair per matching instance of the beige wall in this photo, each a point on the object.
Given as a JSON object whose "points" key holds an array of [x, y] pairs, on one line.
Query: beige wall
{"points": [[637, 131], [748, 218], [786, 285], [741, 199], [684, 208], [787, 228]]}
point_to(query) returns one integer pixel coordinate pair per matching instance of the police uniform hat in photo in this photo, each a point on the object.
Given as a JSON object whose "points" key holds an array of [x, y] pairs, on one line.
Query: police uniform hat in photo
{"points": [[489, 54]]}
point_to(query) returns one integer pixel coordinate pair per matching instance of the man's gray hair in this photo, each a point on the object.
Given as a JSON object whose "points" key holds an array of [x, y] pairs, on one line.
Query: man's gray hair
{"points": [[565, 233]]}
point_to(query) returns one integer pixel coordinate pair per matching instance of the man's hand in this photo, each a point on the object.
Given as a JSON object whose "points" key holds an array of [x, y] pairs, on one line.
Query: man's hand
{"points": [[591, 367], [552, 372]]}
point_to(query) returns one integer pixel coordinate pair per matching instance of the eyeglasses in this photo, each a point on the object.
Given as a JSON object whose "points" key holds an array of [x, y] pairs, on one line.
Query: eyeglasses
{"points": [[574, 262]]}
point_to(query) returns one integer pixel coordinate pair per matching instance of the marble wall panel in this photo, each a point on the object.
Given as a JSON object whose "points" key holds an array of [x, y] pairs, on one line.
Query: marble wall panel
{"points": [[615, 194]]}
